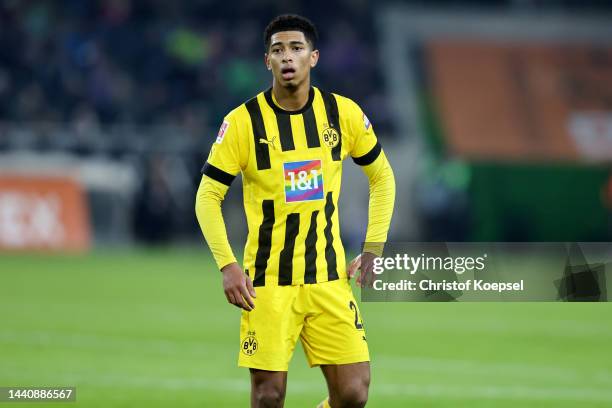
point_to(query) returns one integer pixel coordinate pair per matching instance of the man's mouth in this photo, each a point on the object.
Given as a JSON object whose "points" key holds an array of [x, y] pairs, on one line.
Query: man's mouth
{"points": [[288, 73]]}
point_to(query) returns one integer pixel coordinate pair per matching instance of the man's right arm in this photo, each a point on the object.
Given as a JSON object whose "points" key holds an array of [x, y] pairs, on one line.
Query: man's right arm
{"points": [[208, 211], [237, 285]]}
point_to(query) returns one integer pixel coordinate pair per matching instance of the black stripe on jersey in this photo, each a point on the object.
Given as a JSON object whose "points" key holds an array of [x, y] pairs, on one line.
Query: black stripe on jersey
{"points": [[286, 133], [264, 244], [310, 273], [262, 151], [369, 157], [217, 174], [285, 264], [333, 120], [330, 252], [310, 127]]}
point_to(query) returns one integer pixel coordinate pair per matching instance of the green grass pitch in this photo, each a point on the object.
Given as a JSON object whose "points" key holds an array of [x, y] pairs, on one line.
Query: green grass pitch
{"points": [[151, 328]]}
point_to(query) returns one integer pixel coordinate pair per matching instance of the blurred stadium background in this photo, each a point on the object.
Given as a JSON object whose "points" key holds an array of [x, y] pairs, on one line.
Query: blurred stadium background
{"points": [[497, 119]]}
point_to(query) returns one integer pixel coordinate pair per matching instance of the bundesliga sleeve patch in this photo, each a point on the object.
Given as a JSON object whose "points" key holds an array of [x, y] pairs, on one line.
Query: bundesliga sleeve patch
{"points": [[366, 122], [222, 131], [303, 181]]}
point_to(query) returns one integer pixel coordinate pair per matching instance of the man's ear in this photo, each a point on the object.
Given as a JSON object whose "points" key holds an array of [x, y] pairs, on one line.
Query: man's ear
{"points": [[314, 58], [267, 61]]}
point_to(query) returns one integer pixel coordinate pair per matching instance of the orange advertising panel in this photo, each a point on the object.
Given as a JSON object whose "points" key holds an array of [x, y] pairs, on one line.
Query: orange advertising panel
{"points": [[523, 102], [39, 213]]}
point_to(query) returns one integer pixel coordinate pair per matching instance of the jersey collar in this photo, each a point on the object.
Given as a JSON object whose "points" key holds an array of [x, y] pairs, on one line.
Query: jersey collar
{"points": [[276, 108]]}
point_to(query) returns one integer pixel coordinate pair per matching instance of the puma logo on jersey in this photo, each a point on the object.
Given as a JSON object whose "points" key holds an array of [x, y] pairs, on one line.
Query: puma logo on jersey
{"points": [[268, 142]]}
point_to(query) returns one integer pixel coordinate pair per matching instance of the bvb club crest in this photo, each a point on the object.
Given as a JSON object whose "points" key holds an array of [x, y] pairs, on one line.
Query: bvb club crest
{"points": [[330, 137], [249, 345]]}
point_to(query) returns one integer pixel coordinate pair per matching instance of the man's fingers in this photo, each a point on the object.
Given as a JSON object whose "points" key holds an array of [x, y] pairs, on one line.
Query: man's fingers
{"points": [[364, 278], [369, 275], [239, 300], [230, 297], [233, 298], [354, 266], [369, 279], [366, 272], [249, 284], [247, 297]]}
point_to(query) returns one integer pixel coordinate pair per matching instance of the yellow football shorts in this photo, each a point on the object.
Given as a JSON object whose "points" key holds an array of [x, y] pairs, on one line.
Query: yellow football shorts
{"points": [[323, 315]]}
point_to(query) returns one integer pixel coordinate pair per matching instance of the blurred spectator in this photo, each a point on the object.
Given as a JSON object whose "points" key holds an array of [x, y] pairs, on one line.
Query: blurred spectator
{"points": [[136, 62], [153, 215]]}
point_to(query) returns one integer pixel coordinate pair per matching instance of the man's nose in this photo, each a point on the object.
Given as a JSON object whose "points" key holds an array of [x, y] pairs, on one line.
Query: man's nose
{"points": [[287, 57]]}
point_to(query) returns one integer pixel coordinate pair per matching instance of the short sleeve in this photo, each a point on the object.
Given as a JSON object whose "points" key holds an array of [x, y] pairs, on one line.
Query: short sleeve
{"points": [[225, 158], [365, 147]]}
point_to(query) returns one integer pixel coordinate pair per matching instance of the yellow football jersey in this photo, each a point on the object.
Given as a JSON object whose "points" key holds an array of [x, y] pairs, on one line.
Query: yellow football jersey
{"points": [[291, 165]]}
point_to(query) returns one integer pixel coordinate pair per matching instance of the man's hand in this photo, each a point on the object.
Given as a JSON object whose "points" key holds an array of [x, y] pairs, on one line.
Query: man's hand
{"points": [[364, 263], [354, 266], [238, 287]]}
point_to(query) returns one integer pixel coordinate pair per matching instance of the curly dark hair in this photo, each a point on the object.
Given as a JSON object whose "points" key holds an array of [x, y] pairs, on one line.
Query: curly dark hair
{"points": [[291, 22]]}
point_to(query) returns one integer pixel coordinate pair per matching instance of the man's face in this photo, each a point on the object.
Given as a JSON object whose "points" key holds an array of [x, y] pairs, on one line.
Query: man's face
{"points": [[290, 58]]}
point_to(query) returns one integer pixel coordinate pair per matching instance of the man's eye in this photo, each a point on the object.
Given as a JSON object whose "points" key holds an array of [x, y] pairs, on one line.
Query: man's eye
{"points": [[276, 50], [297, 48]]}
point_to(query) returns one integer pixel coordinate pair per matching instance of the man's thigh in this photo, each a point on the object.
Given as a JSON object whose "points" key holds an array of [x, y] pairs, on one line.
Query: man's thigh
{"points": [[268, 333], [333, 332]]}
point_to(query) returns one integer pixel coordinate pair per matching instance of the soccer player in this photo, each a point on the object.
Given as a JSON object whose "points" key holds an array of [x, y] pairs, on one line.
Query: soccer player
{"points": [[289, 142]]}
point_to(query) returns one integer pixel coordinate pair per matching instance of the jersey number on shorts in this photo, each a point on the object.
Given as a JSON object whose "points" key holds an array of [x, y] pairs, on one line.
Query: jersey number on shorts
{"points": [[358, 323]]}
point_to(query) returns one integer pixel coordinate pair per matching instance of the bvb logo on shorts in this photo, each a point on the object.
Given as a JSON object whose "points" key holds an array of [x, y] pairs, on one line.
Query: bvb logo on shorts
{"points": [[330, 137], [249, 344]]}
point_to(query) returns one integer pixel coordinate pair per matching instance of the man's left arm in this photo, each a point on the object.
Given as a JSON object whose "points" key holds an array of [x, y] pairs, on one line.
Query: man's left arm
{"points": [[367, 152], [382, 199], [380, 210]]}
